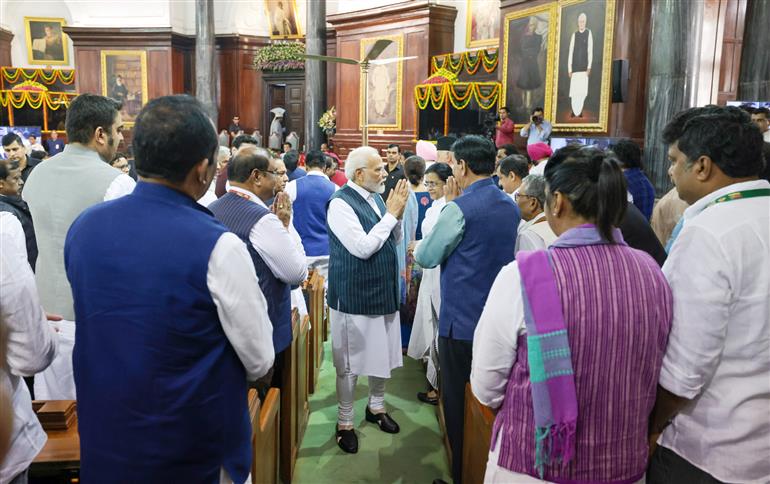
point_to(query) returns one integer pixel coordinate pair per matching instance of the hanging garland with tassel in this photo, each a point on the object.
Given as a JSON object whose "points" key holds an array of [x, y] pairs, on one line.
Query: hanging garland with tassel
{"points": [[458, 94]]}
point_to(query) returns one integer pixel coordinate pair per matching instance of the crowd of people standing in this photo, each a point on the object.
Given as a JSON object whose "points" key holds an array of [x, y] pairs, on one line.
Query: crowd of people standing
{"points": [[617, 339]]}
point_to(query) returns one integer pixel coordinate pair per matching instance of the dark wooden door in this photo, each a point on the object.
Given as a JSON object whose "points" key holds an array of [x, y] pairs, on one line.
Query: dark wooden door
{"points": [[285, 90]]}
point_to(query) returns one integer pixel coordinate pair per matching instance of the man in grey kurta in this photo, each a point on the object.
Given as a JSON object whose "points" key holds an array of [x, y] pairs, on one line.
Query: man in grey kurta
{"points": [[57, 192]]}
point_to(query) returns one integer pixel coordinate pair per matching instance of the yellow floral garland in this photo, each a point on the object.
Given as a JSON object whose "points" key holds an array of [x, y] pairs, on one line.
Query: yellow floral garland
{"points": [[35, 99], [438, 94], [469, 60], [12, 74]]}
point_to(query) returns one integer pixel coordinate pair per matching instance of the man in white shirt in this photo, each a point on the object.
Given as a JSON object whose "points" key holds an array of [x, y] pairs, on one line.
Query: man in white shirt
{"points": [[535, 233], [31, 348], [57, 191], [34, 145], [715, 379], [363, 291]]}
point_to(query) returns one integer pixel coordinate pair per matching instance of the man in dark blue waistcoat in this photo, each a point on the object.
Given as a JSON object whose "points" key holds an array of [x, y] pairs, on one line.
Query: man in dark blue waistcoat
{"points": [[474, 237], [277, 256], [161, 368]]}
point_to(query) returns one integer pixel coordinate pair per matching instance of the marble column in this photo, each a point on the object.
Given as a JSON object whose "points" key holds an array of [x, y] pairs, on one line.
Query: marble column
{"points": [[685, 47], [754, 79], [315, 74], [206, 73]]}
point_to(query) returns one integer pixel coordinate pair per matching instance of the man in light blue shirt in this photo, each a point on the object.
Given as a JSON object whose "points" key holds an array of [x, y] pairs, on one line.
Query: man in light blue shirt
{"points": [[538, 130]]}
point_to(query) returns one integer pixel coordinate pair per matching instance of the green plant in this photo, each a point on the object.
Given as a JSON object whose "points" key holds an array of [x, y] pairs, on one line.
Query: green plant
{"points": [[280, 56]]}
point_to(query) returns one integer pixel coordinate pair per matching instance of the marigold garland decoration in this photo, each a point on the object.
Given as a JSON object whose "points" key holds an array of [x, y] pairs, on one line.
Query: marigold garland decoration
{"points": [[459, 94], [47, 76], [470, 61], [35, 99]]}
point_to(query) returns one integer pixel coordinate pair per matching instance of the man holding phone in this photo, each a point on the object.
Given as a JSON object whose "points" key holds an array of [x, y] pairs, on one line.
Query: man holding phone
{"points": [[538, 130]]}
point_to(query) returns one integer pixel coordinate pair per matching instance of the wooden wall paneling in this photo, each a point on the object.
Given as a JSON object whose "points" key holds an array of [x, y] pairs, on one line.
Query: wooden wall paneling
{"points": [[88, 78], [5, 47], [427, 29], [331, 72], [159, 83], [229, 82], [732, 46], [240, 85]]}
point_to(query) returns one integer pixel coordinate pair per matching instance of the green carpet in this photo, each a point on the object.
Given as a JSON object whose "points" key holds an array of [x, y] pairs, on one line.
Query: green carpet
{"points": [[414, 455]]}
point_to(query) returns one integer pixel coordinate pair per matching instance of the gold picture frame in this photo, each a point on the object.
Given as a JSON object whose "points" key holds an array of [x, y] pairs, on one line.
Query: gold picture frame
{"points": [[288, 20], [491, 6], [130, 68], [520, 113], [584, 122], [382, 96], [47, 44]]}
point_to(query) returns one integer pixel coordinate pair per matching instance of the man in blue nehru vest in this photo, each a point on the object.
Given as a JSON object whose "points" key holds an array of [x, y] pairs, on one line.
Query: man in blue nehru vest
{"points": [[363, 291], [309, 195], [474, 237], [277, 257], [161, 368]]}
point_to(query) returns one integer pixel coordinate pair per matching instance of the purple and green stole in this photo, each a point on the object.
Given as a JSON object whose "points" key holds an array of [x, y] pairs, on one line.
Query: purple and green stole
{"points": [[554, 399]]}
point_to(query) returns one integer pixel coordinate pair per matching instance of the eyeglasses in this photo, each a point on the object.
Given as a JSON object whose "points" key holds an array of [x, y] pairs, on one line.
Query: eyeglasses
{"points": [[432, 184], [518, 195], [276, 172]]}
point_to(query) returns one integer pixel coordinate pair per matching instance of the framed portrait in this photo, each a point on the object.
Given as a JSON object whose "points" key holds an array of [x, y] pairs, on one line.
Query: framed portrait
{"points": [[124, 77], [529, 42], [46, 41], [584, 62], [282, 19], [385, 83], [482, 23]]}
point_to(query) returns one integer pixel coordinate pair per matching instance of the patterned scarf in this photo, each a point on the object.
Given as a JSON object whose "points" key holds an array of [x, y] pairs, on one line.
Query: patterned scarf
{"points": [[554, 399]]}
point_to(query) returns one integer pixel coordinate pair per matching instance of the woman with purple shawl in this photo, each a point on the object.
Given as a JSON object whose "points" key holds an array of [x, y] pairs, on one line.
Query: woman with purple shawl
{"points": [[571, 340]]}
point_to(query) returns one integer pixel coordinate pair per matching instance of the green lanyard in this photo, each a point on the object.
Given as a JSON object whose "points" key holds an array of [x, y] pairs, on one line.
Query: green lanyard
{"points": [[739, 195]]}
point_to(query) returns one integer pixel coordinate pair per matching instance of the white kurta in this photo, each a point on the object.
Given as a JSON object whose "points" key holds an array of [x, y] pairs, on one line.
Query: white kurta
{"points": [[367, 345], [429, 296]]}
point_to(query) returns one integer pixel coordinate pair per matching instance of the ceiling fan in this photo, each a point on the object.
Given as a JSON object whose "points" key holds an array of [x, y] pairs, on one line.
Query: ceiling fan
{"points": [[369, 59]]}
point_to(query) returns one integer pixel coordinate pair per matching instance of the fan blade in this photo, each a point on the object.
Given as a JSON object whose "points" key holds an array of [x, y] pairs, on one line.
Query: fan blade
{"points": [[377, 49], [390, 60], [327, 58]]}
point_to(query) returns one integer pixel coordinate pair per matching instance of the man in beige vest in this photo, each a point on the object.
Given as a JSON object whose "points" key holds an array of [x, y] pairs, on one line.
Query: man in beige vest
{"points": [[57, 192]]}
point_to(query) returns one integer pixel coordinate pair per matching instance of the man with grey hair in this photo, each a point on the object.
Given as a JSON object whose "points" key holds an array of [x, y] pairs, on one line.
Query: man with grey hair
{"points": [[581, 54], [534, 233], [363, 293]]}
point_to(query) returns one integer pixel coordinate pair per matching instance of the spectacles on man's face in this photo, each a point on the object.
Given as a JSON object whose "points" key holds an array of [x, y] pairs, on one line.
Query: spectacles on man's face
{"points": [[278, 173], [431, 184], [519, 195]]}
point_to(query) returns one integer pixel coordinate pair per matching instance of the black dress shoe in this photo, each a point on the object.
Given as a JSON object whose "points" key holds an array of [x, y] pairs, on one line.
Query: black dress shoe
{"points": [[347, 440], [386, 423], [439, 481], [423, 397]]}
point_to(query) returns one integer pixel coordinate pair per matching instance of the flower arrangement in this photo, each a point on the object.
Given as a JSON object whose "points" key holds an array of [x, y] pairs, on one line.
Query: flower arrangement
{"points": [[280, 56], [328, 121]]}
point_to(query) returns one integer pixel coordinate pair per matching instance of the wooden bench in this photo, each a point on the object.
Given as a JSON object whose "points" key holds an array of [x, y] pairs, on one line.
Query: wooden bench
{"points": [[294, 404], [303, 407], [477, 435], [265, 422], [317, 312]]}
